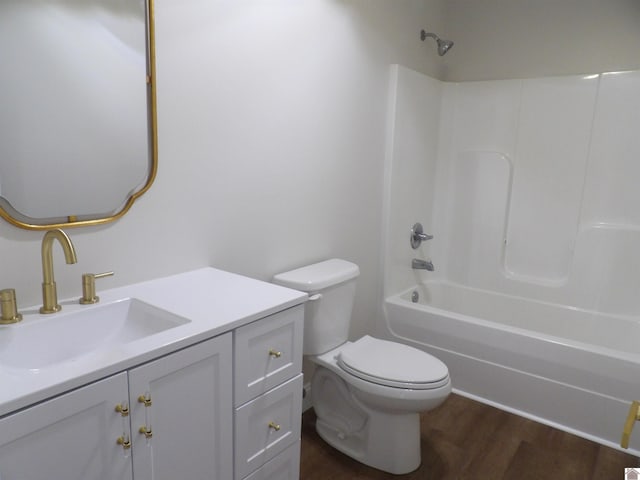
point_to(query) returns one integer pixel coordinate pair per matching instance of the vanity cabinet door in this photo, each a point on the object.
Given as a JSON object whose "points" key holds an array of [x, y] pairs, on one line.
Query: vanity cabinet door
{"points": [[71, 437], [182, 414]]}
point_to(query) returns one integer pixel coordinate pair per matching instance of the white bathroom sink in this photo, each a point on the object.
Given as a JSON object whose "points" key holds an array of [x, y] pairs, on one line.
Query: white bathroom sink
{"points": [[48, 340]]}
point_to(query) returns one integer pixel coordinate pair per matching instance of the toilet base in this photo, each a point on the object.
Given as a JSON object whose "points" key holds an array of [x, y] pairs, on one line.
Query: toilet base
{"points": [[386, 440], [394, 450]]}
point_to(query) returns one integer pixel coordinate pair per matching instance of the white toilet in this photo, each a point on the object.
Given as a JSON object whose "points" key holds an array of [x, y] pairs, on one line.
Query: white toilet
{"points": [[367, 394]]}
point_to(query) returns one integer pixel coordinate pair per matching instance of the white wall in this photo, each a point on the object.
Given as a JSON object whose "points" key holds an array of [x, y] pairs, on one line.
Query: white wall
{"points": [[500, 122], [540, 202], [498, 39], [271, 125], [534, 192], [410, 173], [265, 106]]}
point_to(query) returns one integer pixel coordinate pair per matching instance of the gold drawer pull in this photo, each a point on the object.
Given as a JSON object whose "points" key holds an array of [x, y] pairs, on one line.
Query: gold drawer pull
{"points": [[125, 442], [146, 399], [122, 409], [146, 431], [274, 353], [275, 426]]}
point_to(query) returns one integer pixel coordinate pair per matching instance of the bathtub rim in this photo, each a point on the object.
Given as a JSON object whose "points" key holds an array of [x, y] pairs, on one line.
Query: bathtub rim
{"points": [[397, 299]]}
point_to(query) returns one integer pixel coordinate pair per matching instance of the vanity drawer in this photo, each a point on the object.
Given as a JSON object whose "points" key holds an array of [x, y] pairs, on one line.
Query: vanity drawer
{"points": [[285, 466], [267, 353], [266, 426]]}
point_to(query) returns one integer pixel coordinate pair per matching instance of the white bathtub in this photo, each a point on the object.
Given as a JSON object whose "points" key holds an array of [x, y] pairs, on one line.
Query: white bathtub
{"points": [[573, 369]]}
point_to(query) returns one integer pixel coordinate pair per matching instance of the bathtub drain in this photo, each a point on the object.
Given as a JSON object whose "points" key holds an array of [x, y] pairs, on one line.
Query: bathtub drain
{"points": [[415, 296]]}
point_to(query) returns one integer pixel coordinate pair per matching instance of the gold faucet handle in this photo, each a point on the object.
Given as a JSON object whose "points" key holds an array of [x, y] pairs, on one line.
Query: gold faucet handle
{"points": [[89, 287], [8, 307]]}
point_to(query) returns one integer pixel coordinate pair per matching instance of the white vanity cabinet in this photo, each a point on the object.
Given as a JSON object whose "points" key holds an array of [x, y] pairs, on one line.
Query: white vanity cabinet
{"points": [[268, 396], [183, 431], [216, 396]]}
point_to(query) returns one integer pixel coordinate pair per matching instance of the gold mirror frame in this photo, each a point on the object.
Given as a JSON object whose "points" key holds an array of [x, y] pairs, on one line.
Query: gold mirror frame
{"points": [[74, 221]]}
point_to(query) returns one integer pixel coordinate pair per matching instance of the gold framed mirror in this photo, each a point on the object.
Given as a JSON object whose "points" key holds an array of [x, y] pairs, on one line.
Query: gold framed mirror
{"points": [[78, 128]]}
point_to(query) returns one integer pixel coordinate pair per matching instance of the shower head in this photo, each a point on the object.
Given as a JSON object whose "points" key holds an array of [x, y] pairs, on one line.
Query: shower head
{"points": [[443, 45]]}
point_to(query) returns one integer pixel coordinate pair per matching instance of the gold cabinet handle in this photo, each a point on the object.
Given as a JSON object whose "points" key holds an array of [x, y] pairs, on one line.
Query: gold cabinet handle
{"points": [[274, 353], [122, 409], [146, 431], [632, 418], [146, 399], [275, 426], [124, 442]]}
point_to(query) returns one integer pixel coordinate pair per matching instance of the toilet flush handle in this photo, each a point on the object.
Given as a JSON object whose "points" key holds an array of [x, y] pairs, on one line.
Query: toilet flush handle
{"points": [[314, 297]]}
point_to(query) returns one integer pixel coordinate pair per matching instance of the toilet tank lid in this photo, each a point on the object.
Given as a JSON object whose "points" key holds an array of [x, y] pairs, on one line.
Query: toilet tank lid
{"points": [[318, 276]]}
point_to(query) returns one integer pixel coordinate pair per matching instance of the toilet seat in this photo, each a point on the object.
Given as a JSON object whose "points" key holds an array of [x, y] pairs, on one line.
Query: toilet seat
{"points": [[392, 364]]}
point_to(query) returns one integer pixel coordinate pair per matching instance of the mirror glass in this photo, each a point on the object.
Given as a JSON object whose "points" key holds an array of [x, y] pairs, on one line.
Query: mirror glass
{"points": [[77, 123]]}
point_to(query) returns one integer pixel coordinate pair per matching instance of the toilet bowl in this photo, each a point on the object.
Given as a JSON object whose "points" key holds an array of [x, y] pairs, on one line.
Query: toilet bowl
{"points": [[367, 394], [371, 417]]}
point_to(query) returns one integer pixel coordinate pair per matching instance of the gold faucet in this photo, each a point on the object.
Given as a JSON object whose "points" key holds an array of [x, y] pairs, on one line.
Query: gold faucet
{"points": [[49, 294]]}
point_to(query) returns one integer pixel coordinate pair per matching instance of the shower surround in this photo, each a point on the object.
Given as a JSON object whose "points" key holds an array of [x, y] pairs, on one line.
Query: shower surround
{"points": [[530, 188]]}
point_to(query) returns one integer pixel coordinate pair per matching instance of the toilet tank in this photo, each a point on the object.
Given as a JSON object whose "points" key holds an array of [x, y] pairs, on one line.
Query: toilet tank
{"points": [[331, 286]]}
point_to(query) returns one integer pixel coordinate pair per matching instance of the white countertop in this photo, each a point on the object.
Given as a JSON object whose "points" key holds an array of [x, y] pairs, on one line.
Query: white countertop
{"points": [[214, 302]]}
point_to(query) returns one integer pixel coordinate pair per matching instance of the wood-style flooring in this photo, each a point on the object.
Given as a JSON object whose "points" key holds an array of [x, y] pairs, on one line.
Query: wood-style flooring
{"points": [[464, 439]]}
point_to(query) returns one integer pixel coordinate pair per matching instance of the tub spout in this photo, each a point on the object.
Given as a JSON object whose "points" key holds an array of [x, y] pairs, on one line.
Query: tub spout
{"points": [[418, 264]]}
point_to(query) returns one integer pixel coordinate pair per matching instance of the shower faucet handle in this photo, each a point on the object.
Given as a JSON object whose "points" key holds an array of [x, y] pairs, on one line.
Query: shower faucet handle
{"points": [[418, 235]]}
